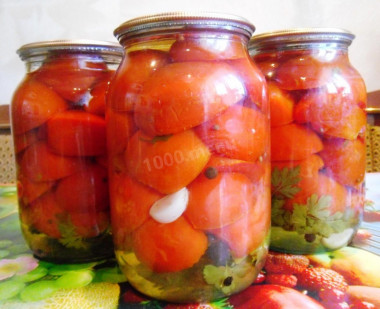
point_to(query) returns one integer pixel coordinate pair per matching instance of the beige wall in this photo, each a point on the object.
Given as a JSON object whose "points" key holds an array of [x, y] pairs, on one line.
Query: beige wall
{"points": [[25, 21]]}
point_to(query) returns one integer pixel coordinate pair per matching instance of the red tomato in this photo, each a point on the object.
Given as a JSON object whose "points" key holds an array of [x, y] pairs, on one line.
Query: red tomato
{"points": [[239, 133], [333, 113], [71, 76], [168, 163], [169, 247], [182, 95], [253, 81], [120, 127], [77, 133], [85, 191], [248, 233], [206, 49], [134, 70], [281, 106], [219, 201], [303, 72], [38, 163], [293, 142], [44, 215], [33, 104], [90, 224], [345, 160]]}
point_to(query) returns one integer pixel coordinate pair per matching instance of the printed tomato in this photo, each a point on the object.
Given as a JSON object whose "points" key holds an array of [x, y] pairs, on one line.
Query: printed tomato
{"points": [[166, 163], [85, 191], [293, 142], [345, 160], [134, 70], [38, 163], [334, 114], [77, 133], [71, 76], [219, 201], [182, 95], [169, 247], [206, 49], [238, 133], [33, 104]]}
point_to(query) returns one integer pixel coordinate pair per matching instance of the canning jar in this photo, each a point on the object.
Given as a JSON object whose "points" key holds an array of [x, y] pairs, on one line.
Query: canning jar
{"points": [[59, 131], [318, 120], [188, 144]]}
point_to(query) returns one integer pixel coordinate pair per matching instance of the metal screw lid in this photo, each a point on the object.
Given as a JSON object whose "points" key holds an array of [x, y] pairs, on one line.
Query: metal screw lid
{"points": [[80, 46], [184, 20], [302, 35]]}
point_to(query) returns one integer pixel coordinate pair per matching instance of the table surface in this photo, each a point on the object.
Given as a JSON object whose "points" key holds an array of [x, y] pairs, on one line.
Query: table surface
{"points": [[107, 288]]}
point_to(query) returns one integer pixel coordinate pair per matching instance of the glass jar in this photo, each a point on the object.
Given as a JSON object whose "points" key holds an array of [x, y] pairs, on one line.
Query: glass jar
{"points": [[188, 142], [59, 131], [318, 120]]}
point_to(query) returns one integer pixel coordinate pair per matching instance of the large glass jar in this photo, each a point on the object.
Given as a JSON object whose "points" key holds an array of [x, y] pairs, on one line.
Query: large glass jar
{"points": [[318, 120], [59, 130], [188, 144]]}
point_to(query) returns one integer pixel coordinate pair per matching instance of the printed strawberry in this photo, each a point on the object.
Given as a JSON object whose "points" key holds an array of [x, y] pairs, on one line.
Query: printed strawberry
{"points": [[287, 280], [318, 278], [260, 278], [283, 263], [358, 304], [219, 304], [332, 295], [333, 305]]}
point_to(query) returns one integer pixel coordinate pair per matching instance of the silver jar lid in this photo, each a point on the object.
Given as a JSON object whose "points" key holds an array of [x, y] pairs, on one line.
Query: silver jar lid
{"points": [[73, 46], [302, 35], [183, 21]]}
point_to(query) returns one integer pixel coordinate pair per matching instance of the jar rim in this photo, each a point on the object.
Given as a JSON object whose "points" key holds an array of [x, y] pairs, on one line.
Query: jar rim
{"points": [[181, 20], [79, 45], [302, 35]]}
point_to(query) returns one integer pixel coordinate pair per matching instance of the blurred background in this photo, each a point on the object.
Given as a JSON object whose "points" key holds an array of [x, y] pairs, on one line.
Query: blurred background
{"points": [[26, 21]]}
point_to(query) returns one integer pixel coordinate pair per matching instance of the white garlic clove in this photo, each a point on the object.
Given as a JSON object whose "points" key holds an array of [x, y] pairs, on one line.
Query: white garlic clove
{"points": [[170, 207]]}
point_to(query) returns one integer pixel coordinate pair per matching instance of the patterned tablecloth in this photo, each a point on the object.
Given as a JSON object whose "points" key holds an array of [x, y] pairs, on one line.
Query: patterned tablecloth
{"points": [[28, 283]]}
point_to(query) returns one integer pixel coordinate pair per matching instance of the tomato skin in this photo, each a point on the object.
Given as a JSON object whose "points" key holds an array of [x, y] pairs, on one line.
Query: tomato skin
{"points": [[167, 164], [133, 71], [165, 247], [220, 201], [38, 163], [333, 114], [71, 76], [345, 160], [131, 204], [85, 191], [77, 133], [303, 72], [281, 106], [293, 142], [238, 133], [182, 95], [206, 49], [33, 104]]}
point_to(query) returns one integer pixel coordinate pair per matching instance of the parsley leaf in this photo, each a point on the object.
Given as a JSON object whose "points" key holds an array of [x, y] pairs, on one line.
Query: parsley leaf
{"points": [[284, 182]]}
